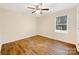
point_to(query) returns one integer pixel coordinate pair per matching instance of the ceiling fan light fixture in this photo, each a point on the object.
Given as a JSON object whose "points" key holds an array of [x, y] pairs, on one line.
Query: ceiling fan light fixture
{"points": [[37, 12]]}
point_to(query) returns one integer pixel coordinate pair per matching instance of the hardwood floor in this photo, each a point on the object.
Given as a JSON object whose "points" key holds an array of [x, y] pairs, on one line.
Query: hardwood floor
{"points": [[38, 45]]}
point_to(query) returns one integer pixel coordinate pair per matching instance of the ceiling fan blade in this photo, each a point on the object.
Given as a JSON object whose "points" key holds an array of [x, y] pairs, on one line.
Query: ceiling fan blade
{"points": [[45, 9], [30, 7], [33, 11]]}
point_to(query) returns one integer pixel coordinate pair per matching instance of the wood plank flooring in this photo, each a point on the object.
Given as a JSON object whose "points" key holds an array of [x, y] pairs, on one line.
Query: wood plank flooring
{"points": [[38, 45]]}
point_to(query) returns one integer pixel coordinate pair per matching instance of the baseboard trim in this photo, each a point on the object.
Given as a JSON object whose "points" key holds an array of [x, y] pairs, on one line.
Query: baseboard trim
{"points": [[18, 39], [0, 48], [58, 40], [43, 36]]}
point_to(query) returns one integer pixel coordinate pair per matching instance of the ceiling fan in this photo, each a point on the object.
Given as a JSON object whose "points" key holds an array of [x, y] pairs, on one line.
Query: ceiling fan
{"points": [[38, 8]]}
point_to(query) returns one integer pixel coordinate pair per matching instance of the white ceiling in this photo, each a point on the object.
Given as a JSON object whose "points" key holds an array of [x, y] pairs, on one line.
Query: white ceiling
{"points": [[22, 7]]}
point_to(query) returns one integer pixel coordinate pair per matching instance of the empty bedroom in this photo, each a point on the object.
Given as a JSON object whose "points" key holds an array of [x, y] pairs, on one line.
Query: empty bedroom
{"points": [[39, 29]]}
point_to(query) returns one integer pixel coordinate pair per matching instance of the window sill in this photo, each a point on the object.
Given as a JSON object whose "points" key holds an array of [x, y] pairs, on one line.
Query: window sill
{"points": [[60, 31]]}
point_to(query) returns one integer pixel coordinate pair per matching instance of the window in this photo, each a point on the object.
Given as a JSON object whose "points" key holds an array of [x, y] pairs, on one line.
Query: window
{"points": [[61, 23]]}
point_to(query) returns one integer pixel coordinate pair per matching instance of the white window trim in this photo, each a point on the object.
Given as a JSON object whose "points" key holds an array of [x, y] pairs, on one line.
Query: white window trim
{"points": [[61, 31]]}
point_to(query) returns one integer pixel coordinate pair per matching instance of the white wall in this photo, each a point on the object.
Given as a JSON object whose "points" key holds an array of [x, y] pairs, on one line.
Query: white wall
{"points": [[14, 26], [47, 26]]}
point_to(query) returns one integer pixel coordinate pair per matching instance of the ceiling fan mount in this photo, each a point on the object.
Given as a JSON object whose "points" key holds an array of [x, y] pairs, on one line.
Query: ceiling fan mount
{"points": [[38, 8]]}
